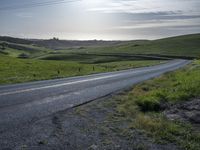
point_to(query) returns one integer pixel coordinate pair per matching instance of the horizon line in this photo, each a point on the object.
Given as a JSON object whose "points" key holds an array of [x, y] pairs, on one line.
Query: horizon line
{"points": [[62, 39]]}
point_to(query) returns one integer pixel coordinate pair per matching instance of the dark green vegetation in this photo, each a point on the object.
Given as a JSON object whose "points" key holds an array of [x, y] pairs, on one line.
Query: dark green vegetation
{"points": [[143, 106]]}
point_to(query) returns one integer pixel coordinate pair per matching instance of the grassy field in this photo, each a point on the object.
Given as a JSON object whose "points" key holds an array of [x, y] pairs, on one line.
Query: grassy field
{"points": [[143, 107], [187, 45], [44, 63], [15, 50], [182, 46], [14, 70]]}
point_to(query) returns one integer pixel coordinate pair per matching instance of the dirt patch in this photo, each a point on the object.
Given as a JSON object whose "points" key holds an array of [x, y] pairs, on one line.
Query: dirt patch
{"points": [[185, 111]]}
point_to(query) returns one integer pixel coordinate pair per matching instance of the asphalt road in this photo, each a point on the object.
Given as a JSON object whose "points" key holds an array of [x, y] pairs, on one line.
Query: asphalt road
{"points": [[21, 104]]}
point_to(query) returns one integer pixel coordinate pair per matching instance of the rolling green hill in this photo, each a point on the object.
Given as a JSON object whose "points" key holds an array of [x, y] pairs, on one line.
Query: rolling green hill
{"points": [[187, 45], [44, 63], [180, 46], [15, 50]]}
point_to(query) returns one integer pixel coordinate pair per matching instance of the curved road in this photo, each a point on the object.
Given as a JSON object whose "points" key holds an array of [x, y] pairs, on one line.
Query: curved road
{"points": [[22, 103]]}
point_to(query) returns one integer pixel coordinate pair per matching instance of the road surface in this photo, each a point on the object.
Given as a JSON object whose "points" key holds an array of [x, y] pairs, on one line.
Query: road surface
{"points": [[21, 104]]}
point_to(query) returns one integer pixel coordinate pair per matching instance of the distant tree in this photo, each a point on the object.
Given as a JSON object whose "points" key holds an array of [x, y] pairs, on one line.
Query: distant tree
{"points": [[54, 38], [23, 55], [3, 46], [136, 45]]}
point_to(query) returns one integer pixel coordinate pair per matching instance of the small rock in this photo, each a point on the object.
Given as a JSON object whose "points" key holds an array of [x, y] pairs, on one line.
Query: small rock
{"points": [[42, 142], [185, 111], [93, 147]]}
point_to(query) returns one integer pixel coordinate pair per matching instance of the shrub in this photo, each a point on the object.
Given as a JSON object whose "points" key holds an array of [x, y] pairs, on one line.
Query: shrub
{"points": [[148, 103], [3, 46], [170, 88]]}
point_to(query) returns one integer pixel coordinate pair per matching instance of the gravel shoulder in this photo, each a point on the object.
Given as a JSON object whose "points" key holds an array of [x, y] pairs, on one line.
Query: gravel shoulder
{"points": [[95, 126]]}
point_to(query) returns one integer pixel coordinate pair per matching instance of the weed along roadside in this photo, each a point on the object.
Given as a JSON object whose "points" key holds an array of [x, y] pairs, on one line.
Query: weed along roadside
{"points": [[167, 108]]}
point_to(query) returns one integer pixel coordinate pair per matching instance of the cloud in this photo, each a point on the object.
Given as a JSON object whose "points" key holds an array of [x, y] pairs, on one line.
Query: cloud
{"points": [[138, 15], [148, 6], [161, 24], [106, 19]]}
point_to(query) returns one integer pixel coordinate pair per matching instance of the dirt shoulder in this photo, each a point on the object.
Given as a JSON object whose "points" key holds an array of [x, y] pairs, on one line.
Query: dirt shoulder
{"points": [[94, 126], [99, 125]]}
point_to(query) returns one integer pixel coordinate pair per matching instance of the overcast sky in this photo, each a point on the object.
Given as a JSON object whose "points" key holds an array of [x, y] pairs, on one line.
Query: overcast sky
{"points": [[99, 19]]}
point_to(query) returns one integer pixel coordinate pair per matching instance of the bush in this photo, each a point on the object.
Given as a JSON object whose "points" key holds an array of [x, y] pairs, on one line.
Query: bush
{"points": [[149, 103], [3, 46]]}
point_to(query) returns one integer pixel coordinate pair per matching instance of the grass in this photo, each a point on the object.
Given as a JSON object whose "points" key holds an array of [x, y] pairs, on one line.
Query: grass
{"points": [[187, 45], [43, 63], [142, 106], [16, 53], [92, 58], [181, 46], [171, 88], [14, 70], [161, 129], [79, 58]]}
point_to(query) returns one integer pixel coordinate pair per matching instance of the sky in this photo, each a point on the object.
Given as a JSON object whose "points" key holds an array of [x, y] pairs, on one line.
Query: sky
{"points": [[99, 19]]}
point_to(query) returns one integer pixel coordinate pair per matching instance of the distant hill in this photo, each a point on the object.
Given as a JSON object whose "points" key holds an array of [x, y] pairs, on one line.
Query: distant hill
{"points": [[61, 44], [186, 46], [15, 40]]}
